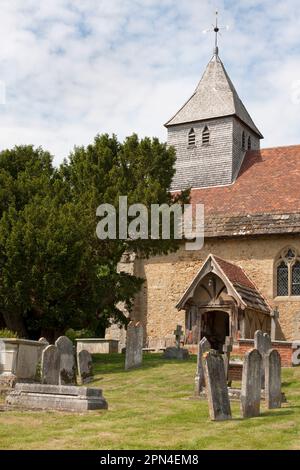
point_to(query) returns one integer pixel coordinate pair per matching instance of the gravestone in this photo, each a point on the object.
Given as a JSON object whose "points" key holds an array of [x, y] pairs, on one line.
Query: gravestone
{"points": [[216, 387], [67, 372], [134, 345], [296, 353], [85, 366], [227, 349], [203, 347], [50, 367], [262, 342], [273, 395], [176, 352], [274, 322], [251, 384]]}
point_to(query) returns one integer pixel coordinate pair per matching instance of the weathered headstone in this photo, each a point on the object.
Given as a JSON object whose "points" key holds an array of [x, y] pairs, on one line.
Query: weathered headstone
{"points": [[251, 384], [274, 321], [216, 387], [203, 347], [176, 352], [296, 353], [85, 366], [227, 349], [134, 345], [50, 367], [262, 342], [273, 379], [67, 373]]}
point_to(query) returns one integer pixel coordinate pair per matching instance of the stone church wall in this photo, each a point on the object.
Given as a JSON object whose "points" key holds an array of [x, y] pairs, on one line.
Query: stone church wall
{"points": [[167, 278]]}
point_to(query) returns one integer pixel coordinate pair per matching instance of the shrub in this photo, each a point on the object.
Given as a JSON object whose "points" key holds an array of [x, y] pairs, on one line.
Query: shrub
{"points": [[6, 333]]}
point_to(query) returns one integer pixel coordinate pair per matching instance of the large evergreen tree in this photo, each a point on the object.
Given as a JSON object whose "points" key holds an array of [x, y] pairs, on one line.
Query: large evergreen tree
{"points": [[55, 273]]}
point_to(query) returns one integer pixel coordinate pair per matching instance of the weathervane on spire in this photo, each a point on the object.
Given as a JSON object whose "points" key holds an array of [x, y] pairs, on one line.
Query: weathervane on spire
{"points": [[216, 29]]}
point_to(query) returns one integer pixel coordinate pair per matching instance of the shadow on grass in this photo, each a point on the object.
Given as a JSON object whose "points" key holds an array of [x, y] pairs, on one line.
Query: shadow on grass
{"points": [[115, 363]]}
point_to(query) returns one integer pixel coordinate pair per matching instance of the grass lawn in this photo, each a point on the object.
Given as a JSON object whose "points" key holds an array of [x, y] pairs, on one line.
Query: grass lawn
{"points": [[149, 408]]}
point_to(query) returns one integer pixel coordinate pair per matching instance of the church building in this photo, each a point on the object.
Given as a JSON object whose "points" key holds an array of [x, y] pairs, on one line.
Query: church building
{"points": [[247, 275]]}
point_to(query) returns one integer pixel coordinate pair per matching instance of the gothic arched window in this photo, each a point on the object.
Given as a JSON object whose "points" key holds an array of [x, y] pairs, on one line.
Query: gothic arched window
{"points": [[192, 138], [288, 273], [243, 141], [249, 143], [205, 136]]}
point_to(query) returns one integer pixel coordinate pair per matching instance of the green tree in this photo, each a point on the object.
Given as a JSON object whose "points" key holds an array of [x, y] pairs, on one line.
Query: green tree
{"points": [[55, 273]]}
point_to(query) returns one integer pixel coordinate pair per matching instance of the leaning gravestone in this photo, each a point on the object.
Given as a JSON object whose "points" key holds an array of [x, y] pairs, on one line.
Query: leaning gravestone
{"points": [[85, 366], [273, 379], [227, 349], [67, 372], [134, 345], [50, 366], [203, 347], [251, 384], [216, 387]]}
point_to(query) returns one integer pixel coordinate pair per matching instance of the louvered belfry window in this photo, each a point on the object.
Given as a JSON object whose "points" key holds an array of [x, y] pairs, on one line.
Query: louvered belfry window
{"points": [[288, 274], [192, 138], [249, 143], [205, 136], [243, 141]]}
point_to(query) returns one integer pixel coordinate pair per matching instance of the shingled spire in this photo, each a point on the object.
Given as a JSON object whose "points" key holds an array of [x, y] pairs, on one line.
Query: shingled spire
{"points": [[221, 128]]}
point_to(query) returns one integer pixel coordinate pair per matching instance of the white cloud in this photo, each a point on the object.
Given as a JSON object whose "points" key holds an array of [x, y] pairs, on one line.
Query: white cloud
{"points": [[73, 68]]}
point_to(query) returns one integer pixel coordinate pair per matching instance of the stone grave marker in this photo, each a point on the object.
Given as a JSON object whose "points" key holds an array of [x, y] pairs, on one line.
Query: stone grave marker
{"points": [[227, 349], [203, 347], [50, 367], [134, 345], [262, 342], [216, 387], [85, 366], [176, 352], [67, 373], [251, 384], [273, 379]]}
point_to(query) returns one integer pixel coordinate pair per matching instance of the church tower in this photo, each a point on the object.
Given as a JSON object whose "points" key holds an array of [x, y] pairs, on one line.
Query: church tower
{"points": [[211, 132]]}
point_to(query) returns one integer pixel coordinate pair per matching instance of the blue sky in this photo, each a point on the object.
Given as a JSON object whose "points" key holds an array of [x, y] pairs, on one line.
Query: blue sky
{"points": [[74, 68]]}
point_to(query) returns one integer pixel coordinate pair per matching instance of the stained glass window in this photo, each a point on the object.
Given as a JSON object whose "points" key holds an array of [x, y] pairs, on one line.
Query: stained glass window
{"points": [[296, 279], [282, 279]]}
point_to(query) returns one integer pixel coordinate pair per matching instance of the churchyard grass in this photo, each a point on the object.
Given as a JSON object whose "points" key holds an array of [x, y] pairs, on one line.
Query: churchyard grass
{"points": [[149, 408]]}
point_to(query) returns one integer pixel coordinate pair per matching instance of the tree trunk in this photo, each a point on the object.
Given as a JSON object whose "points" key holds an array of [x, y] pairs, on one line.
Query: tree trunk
{"points": [[15, 323]]}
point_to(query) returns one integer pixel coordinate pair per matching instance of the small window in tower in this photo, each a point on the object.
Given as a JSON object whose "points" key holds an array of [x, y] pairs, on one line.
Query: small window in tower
{"points": [[243, 141], [205, 136], [192, 138], [249, 143]]}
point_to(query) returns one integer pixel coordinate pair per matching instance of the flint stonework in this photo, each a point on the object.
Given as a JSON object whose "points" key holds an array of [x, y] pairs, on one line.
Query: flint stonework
{"points": [[251, 384], [67, 375], [85, 367], [273, 395], [134, 346], [50, 367], [203, 347], [216, 387]]}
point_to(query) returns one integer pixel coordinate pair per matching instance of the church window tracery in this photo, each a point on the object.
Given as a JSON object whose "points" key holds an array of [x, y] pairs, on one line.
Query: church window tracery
{"points": [[288, 273]]}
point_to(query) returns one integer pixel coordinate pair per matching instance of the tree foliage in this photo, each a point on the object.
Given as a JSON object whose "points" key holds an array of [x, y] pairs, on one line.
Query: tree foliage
{"points": [[55, 274]]}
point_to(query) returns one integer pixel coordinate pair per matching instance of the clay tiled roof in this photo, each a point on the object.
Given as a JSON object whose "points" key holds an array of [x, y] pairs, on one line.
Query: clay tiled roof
{"points": [[241, 284], [264, 199]]}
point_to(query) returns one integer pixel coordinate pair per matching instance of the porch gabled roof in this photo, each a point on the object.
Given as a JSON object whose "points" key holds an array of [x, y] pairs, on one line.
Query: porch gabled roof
{"points": [[237, 282]]}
